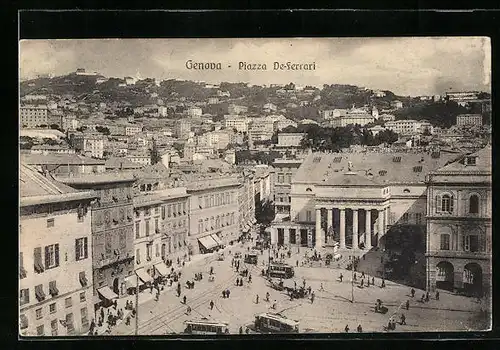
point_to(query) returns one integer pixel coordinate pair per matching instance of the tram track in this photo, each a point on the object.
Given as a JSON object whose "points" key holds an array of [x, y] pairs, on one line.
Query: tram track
{"points": [[163, 319]]}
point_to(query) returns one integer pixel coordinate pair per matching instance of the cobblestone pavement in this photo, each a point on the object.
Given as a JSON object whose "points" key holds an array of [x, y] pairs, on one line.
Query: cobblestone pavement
{"points": [[331, 311]]}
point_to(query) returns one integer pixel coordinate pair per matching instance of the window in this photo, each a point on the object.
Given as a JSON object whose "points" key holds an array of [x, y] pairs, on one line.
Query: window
{"points": [[52, 308], [184, 208], [406, 190], [38, 313], [200, 202], [51, 256], [227, 198], [212, 223], [418, 218], [82, 297], [157, 226], [40, 330], [137, 229], [471, 161], [308, 215], [200, 226], [82, 278], [54, 327], [445, 242], [68, 302], [445, 203], [212, 201], [474, 204], [149, 251], [163, 212], [138, 256], [157, 250], [147, 227], [148, 212], [53, 291], [207, 202], [157, 210], [471, 243], [280, 178], [206, 224], [85, 319], [39, 293], [308, 189], [81, 248], [69, 323], [22, 270]]}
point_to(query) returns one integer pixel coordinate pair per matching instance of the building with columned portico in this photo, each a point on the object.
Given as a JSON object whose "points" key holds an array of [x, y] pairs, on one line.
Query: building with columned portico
{"points": [[353, 200]]}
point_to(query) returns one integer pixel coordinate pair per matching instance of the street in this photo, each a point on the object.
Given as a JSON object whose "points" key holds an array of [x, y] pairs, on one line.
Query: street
{"points": [[331, 311]]}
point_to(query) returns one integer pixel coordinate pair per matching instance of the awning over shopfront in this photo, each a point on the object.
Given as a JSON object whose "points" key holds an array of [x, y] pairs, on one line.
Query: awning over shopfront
{"points": [[208, 242], [216, 239], [162, 269], [107, 293], [143, 275]]}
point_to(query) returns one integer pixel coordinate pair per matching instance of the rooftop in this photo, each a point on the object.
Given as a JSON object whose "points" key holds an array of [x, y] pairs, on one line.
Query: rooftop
{"points": [[482, 163], [53, 159], [37, 189], [369, 168], [99, 178]]}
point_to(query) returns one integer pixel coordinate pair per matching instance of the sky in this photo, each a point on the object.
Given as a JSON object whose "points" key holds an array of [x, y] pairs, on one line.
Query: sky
{"points": [[405, 66]]}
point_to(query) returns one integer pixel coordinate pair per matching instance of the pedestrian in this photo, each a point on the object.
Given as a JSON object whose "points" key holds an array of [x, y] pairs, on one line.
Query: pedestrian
{"points": [[304, 283], [373, 281], [297, 263], [412, 292], [437, 295], [354, 278], [227, 293], [423, 298], [427, 297], [241, 330], [247, 331], [224, 294], [211, 270], [184, 299], [237, 281], [257, 299], [241, 282], [407, 305], [295, 284], [267, 296], [312, 297], [341, 277], [188, 311], [309, 289], [362, 275], [346, 328], [321, 287], [211, 304], [360, 330], [250, 278], [383, 283], [151, 288], [403, 319], [362, 282], [274, 305]]}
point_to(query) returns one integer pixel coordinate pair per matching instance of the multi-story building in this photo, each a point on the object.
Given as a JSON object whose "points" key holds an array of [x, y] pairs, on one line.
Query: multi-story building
{"points": [[236, 122], [194, 112], [55, 149], [132, 129], [403, 127], [246, 202], [183, 129], [236, 109], [281, 182], [112, 232], [469, 119], [352, 118], [260, 129], [88, 144], [283, 123], [33, 116], [55, 257], [397, 104], [213, 210], [290, 139], [459, 225], [139, 157]]}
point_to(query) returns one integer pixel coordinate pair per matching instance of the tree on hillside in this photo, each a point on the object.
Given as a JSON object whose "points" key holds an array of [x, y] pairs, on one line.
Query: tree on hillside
{"points": [[179, 147], [154, 153], [103, 130]]}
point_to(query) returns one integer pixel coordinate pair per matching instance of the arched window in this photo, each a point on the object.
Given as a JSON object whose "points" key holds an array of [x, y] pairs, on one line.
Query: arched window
{"points": [[474, 204], [406, 190], [444, 203], [308, 189]]}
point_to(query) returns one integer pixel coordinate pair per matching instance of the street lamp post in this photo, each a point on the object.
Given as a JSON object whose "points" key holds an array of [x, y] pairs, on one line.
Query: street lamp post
{"points": [[352, 276]]}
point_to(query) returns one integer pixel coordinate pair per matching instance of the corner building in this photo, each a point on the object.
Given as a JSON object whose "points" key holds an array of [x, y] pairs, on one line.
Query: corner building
{"points": [[55, 257], [459, 225], [112, 232]]}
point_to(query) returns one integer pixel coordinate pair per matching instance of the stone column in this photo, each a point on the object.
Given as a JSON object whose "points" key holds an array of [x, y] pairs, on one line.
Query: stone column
{"points": [[355, 244], [319, 238], [386, 218], [329, 220], [380, 225], [342, 228], [368, 229]]}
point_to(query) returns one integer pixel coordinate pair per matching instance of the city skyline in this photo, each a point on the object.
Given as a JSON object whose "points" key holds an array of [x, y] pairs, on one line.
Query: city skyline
{"points": [[405, 66]]}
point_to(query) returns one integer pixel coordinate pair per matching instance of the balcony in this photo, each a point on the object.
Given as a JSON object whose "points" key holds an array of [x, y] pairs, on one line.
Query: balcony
{"points": [[114, 260]]}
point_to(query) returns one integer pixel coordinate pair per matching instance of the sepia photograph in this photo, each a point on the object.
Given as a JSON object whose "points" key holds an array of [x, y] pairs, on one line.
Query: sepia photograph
{"points": [[243, 186]]}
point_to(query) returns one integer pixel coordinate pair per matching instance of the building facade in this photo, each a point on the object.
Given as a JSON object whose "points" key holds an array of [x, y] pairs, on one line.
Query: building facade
{"points": [[55, 257], [112, 232], [469, 119], [459, 225], [213, 210], [33, 116], [281, 183]]}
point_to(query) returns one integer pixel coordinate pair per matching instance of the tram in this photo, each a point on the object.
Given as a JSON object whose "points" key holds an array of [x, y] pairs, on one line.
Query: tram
{"points": [[206, 326], [275, 323], [280, 270], [251, 258]]}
